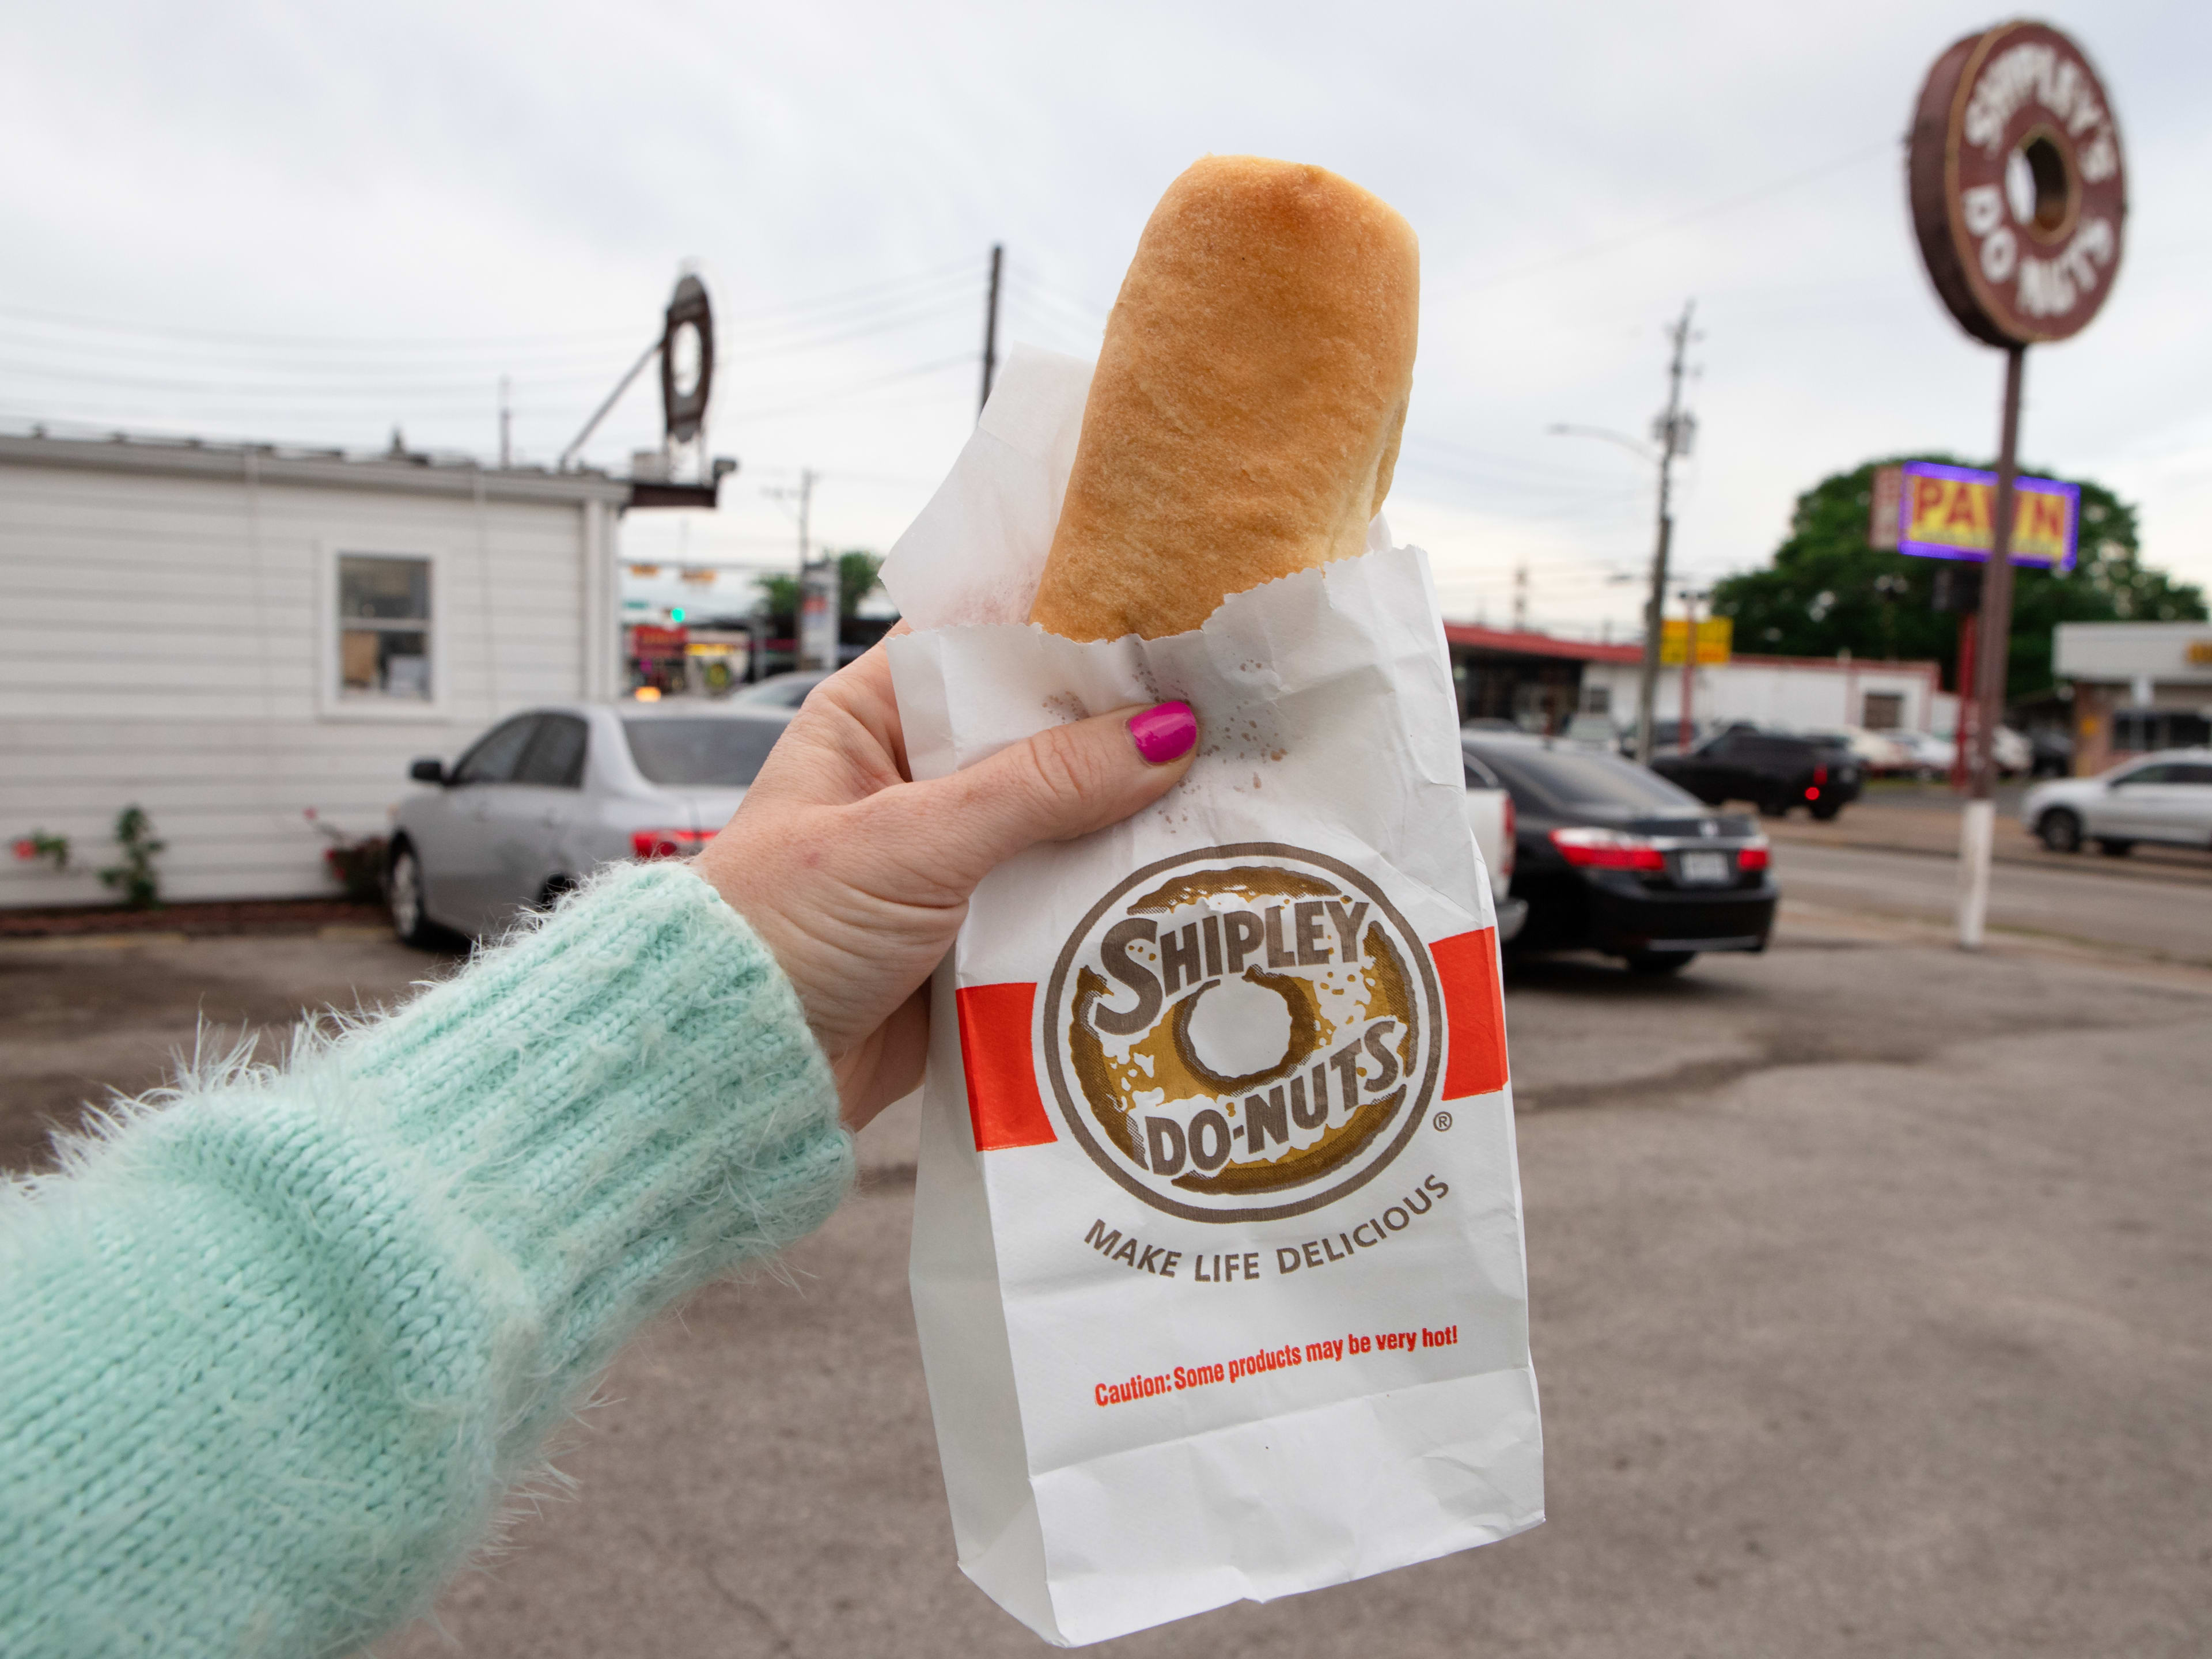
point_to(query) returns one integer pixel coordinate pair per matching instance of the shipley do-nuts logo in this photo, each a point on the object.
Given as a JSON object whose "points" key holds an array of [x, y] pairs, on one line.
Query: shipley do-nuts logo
{"points": [[1243, 1034]]}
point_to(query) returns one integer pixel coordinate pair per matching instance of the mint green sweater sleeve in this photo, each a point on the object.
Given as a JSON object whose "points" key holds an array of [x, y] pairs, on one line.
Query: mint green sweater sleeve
{"points": [[272, 1353]]}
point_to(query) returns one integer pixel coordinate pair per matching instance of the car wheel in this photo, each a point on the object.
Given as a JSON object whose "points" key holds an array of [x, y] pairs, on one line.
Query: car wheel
{"points": [[2060, 830], [1825, 810], [1660, 962], [2112, 848], [404, 894], [1774, 806]]}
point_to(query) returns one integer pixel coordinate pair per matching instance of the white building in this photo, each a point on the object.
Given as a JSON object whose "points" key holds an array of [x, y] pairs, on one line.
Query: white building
{"points": [[228, 637], [1812, 692]]}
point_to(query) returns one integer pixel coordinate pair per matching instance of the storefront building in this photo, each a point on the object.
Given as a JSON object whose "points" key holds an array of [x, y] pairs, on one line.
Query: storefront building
{"points": [[1539, 683], [2137, 686]]}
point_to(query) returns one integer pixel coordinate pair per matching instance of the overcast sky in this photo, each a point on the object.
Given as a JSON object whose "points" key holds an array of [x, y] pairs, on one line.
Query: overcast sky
{"points": [[312, 224]]}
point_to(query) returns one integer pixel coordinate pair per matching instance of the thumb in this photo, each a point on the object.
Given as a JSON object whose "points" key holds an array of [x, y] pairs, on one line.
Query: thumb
{"points": [[1064, 782]]}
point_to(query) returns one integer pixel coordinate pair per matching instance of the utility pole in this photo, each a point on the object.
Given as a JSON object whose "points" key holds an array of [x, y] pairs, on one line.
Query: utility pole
{"points": [[506, 427], [805, 512], [1672, 431], [804, 496], [991, 328], [1521, 596]]}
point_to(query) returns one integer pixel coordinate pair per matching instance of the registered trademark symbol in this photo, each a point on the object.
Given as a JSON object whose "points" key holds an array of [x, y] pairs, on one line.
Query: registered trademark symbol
{"points": [[1443, 1119]]}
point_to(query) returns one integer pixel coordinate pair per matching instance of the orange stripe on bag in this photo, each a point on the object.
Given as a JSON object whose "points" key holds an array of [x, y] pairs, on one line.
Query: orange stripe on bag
{"points": [[1475, 1014], [1003, 1103]]}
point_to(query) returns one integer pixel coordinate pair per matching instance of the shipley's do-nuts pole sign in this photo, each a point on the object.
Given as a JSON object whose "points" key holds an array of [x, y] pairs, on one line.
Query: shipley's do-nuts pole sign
{"points": [[2019, 196], [2019, 191]]}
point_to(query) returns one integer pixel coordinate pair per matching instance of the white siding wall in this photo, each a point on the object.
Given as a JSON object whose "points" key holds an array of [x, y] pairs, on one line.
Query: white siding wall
{"points": [[162, 641], [1784, 693]]}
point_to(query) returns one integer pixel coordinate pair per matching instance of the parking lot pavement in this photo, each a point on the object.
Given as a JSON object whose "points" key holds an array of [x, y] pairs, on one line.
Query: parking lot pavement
{"points": [[79, 1017], [2079, 901], [1868, 1306]]}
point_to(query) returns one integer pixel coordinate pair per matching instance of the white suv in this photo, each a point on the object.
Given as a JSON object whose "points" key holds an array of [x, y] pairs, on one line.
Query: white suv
{"points": [[2164, 797]]}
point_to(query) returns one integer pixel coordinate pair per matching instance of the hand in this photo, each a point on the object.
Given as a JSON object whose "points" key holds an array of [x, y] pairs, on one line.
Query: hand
{"points": [[857, 879]]}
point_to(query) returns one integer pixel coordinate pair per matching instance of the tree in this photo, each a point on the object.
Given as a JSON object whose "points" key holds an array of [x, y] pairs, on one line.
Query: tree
{"points": [[1827, 590], [857, 571]]}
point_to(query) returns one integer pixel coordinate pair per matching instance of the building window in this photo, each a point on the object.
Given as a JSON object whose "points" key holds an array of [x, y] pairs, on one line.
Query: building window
{"points": [[2142, 731], [384, 626], [1884, 711]]}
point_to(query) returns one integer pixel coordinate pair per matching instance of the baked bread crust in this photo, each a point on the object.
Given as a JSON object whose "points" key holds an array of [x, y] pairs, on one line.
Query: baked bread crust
{"points": [[1244, 420]]}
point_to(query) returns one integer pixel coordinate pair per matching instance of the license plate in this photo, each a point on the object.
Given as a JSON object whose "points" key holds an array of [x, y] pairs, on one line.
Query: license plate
{"points": [[1708, 869]]}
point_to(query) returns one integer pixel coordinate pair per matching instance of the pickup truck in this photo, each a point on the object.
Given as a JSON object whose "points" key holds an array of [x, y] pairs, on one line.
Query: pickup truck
{"points": [[1490, 815]]}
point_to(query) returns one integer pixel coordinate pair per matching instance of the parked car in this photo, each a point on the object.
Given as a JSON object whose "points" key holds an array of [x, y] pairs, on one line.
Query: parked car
{"points": [[2053, 753], [1774, 770], [1934, 756], [1491, 816], [785, 691], [2164, 796], [1592, 732], [1612, 857], [545, 797], [1929, 756], [1879, 754], [1666, 737]]}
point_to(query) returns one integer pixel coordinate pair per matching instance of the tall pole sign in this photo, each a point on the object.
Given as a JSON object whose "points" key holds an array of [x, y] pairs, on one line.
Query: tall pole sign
{"points": [[2020, 198]]}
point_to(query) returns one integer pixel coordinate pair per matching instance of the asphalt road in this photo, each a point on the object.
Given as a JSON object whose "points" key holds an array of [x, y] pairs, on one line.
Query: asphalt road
{"points": [[2077, 904], [1868, 1303]]}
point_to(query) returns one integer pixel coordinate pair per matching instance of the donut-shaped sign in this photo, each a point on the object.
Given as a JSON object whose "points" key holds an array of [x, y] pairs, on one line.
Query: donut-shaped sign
{"points": [[2018, 190], [687, 359]]}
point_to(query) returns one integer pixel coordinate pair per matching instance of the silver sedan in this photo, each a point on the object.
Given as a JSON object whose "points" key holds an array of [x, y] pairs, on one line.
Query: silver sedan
{"points": [[549, 796], [2163, 796]]}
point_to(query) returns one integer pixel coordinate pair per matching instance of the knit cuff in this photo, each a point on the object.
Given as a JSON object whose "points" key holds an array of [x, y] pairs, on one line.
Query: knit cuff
{"points": [[625, 1099]]}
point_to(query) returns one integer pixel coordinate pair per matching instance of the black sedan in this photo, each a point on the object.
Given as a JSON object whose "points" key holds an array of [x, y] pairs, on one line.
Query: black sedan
{"points": [[1613, 858]]}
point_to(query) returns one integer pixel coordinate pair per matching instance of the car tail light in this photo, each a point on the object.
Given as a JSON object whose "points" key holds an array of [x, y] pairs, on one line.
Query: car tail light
{"points": [[1512, 830], [1813, 793], [668, 843], [1753, 857], [1607, 849]]}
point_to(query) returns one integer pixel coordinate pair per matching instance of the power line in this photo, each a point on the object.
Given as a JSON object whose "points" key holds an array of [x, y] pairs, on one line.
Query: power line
{"points": [[1729, 205], [882, 289], [965, 359]]}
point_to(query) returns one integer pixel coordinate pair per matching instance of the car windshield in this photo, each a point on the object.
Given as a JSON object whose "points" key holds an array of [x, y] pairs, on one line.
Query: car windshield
{"points": [[717, 752], [1578, 779]]}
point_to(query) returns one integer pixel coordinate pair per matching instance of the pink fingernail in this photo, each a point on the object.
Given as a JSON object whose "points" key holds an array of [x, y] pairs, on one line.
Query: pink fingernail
{"points": [[1165, 733]]}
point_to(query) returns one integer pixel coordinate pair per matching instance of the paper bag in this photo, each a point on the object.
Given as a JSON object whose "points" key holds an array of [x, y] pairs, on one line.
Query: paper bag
{"points": [[1218, 1261]]}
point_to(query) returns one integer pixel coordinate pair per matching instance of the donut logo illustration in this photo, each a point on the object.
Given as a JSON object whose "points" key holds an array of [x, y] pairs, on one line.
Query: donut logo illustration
{"points": [[1244, 1033]]}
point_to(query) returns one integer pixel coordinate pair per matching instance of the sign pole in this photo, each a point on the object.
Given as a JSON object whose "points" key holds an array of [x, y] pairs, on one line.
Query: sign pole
{"points": [[1689, 668], [1977, 824], [2020, 201]]}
